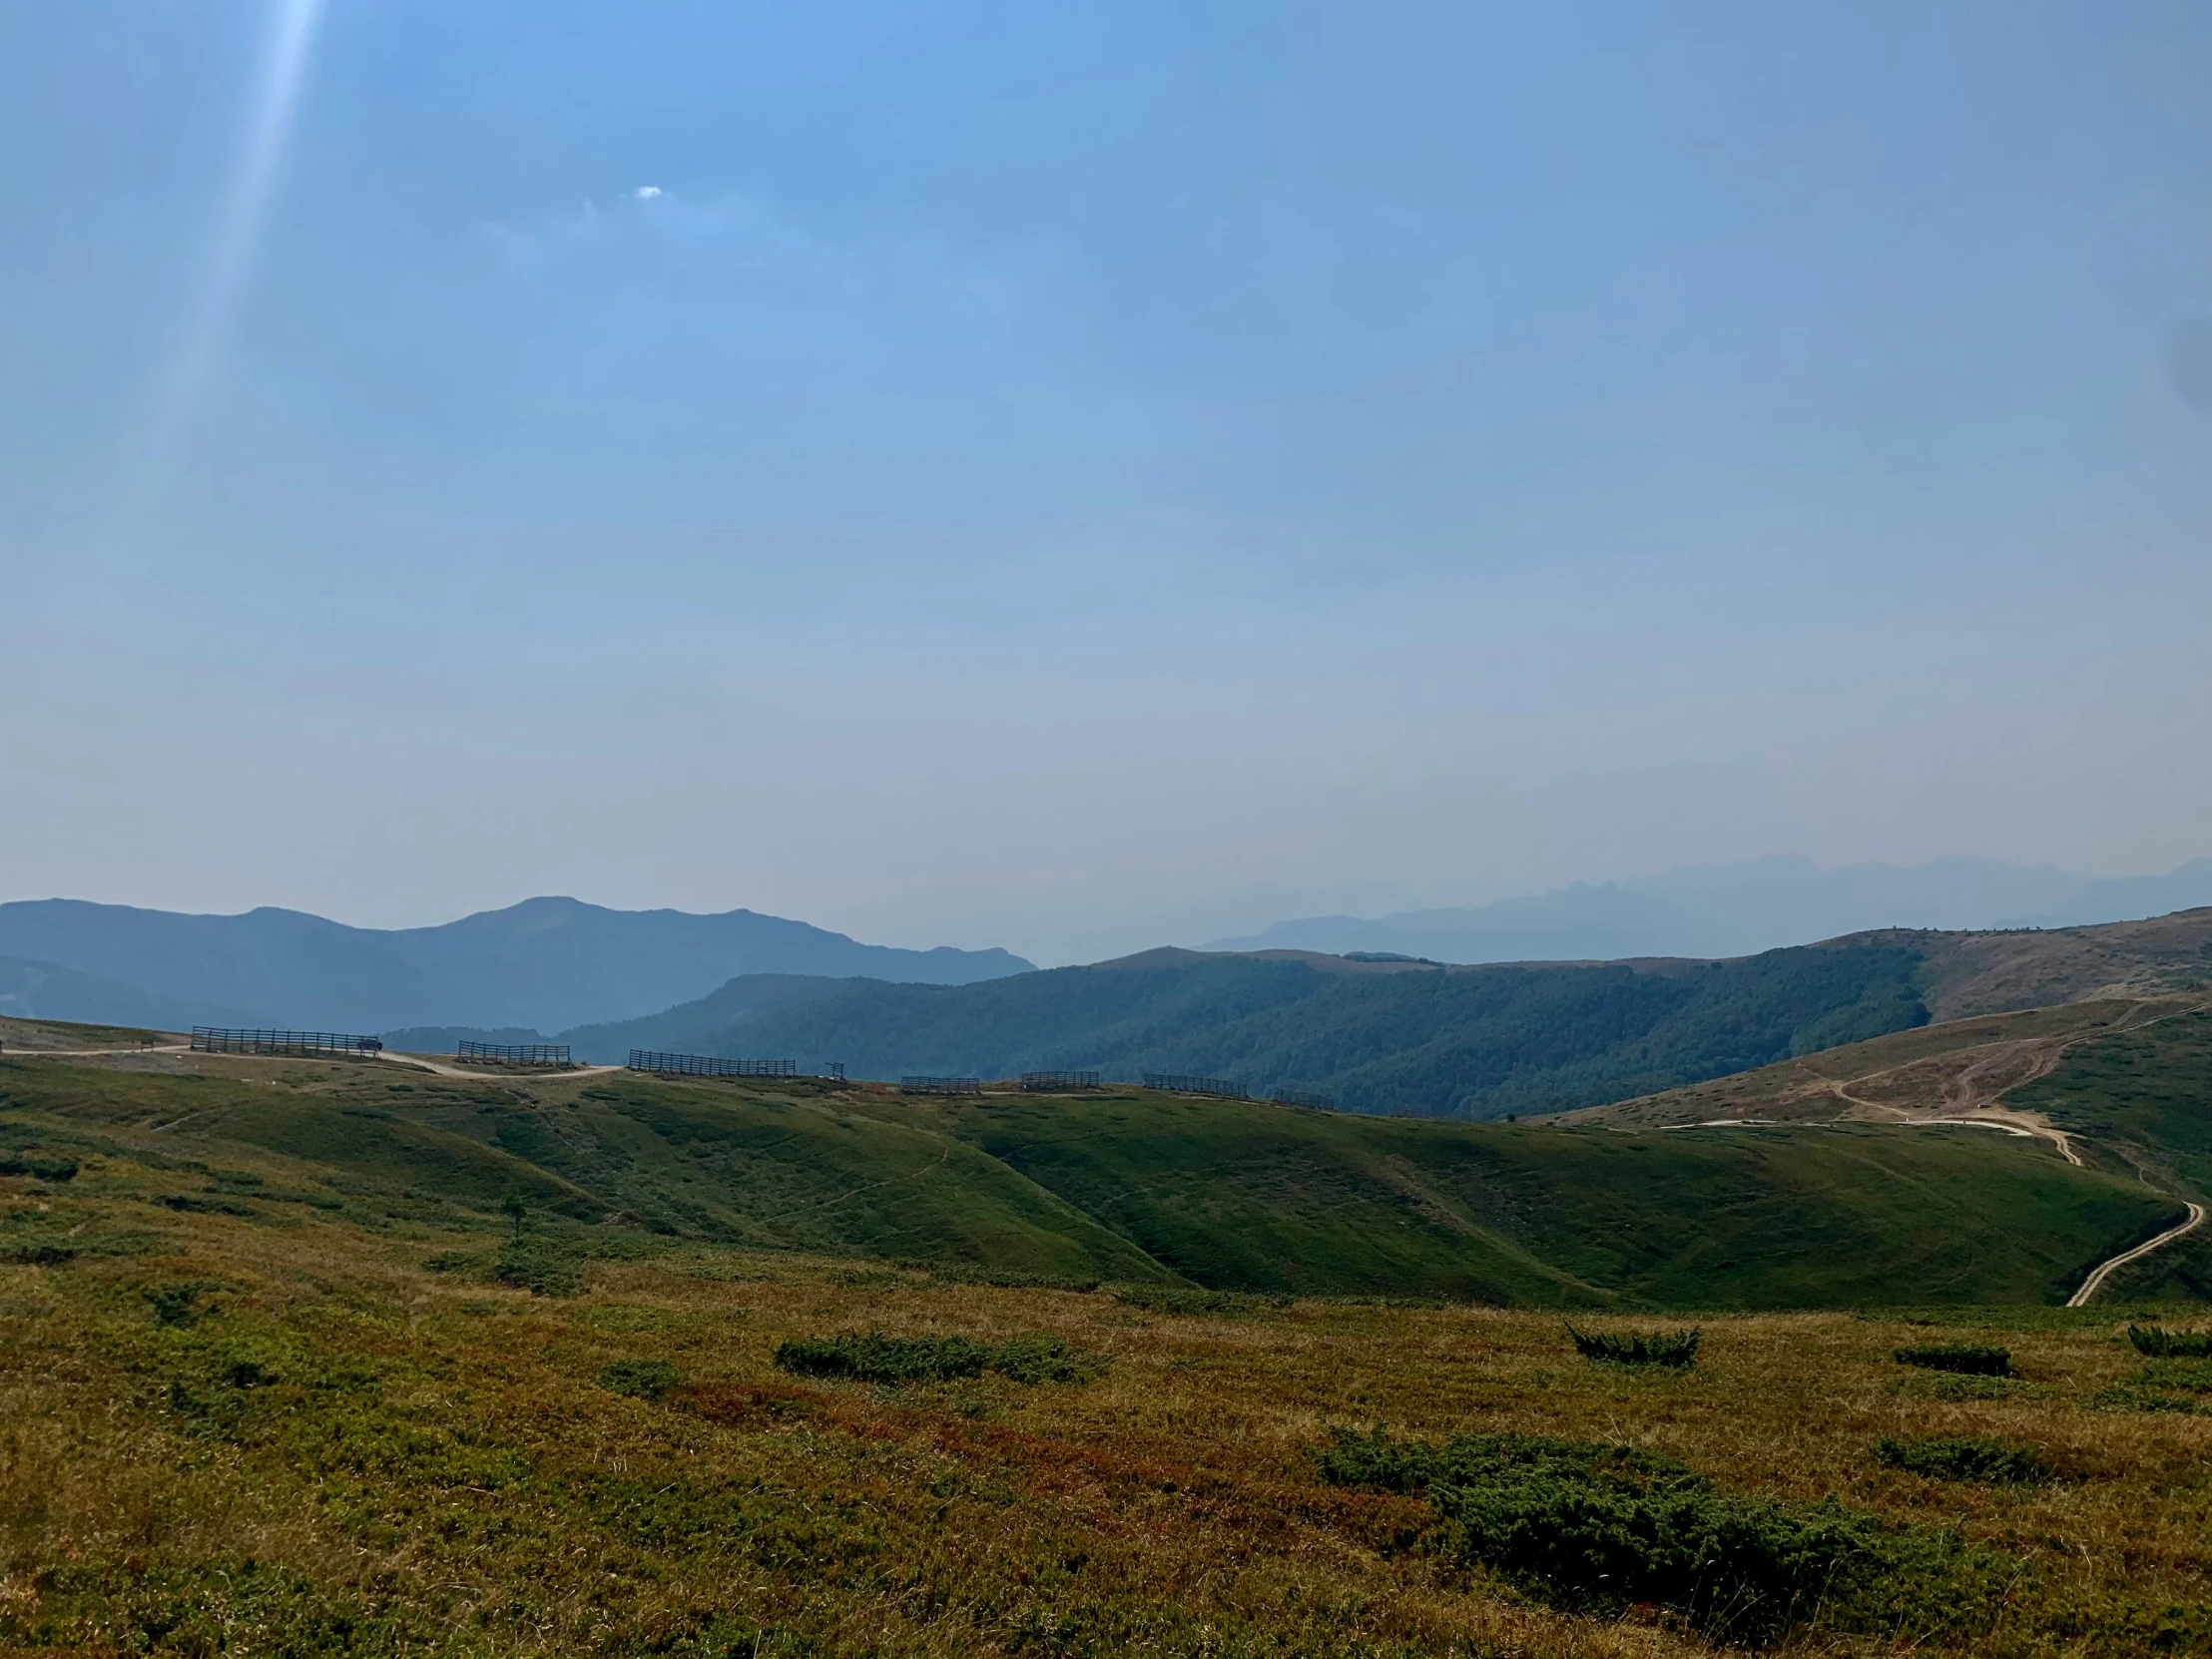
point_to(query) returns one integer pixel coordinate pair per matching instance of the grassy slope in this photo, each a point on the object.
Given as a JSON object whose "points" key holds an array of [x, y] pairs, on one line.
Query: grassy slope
{"points": [[1986, 973], [2141, 1099], [701, 1161], [329, 1450], [1245, 1195], [33, 1035], [1135, 1185], [2147, 1089]]}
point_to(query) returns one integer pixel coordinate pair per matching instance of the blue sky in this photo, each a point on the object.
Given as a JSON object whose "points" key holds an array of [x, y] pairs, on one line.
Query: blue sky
{"points": [[1084, 475]]}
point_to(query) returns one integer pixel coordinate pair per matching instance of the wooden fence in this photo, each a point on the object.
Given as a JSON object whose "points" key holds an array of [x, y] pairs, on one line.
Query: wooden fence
{"points": [[513, 1054], [1034, 1082], [220, 1039], [710, 1065], [1182, 1085]]}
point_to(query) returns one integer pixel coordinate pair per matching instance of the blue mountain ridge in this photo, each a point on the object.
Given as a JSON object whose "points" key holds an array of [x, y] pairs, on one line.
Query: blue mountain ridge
{"points": [[547, 964], [1727, 910]]}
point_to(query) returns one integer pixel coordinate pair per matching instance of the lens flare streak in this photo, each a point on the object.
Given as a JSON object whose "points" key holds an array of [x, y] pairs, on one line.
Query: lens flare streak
{"points": [[244, 211]]}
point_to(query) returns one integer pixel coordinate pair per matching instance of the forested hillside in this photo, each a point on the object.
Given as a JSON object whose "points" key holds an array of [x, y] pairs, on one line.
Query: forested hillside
{"points": [[1479, 1042]]}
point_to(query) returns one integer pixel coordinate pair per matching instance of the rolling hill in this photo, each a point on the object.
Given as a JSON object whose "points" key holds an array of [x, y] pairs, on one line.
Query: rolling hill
{"points": [[544, 964], [2123, 1084], [1132, 1186], [354, 1359]]}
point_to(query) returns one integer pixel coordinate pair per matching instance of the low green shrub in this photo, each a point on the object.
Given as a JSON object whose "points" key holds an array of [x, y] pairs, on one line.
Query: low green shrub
{"points": [[642, 1378], [550, 1263], [2193, 1375], [2170, 1345], [36, 1253], [543, 1267], [49, 1241], [1599, 1529], [1961, 1360], [2132, 1397], [172, 1304], [1960, 1457], [875, 1357], [192, 1203], [1190, 1301], [1672, 1348], [39, 1166]]}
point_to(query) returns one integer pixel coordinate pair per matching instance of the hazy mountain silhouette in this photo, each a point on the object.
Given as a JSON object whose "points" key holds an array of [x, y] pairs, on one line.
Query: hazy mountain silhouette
{"points": [[47, 991], [545, 963], [1718, 910]]}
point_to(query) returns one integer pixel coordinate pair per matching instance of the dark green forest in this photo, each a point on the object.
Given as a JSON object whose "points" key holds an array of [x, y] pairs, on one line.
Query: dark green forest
{"points": [[1473, 1042]]}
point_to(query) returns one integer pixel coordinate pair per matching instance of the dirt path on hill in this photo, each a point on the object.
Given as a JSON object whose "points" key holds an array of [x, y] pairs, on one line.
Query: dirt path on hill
{"points": [[1968, 1098], [420, 1062], [445, 1068], [88, 1053], [2095, 1282], [1988, 1115]]}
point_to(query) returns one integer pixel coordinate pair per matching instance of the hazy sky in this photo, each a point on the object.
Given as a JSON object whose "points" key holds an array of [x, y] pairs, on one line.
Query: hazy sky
{"points": [[1070, 476]]}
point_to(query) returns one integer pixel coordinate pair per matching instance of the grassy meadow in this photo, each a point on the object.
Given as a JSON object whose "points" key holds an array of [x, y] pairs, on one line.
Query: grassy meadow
{"points": [[288, 1368], [223, 1433], [1135, 1186]]}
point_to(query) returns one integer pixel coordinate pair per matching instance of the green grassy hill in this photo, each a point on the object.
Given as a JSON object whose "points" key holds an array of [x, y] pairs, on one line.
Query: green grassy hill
{"points": [[2129, 1079], [2137, 1093], [1245, 1195], [1128, 1185], [2141, 1101], [788, 1169]]}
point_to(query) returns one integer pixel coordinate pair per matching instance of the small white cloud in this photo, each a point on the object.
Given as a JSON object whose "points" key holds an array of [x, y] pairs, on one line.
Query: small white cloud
{"points": [[646, 192]]}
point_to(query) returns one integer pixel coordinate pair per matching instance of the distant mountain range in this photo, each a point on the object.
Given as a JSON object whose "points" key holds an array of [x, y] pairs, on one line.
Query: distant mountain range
{"points": [[544, 963], [1720, 910], [559, 965], [47, 991]]}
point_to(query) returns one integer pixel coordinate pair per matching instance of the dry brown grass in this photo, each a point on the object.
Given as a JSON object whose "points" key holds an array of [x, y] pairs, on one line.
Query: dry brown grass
{"points": [[440, 1469]]}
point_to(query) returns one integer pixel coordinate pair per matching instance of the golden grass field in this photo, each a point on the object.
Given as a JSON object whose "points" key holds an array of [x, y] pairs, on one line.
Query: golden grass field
{"points": [[333, 1448]]}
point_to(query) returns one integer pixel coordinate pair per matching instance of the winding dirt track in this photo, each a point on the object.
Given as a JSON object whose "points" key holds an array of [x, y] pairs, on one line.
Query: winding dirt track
{"points": [[2095, 1282], [445, 1068], [82, 1053], [420, 1062]]}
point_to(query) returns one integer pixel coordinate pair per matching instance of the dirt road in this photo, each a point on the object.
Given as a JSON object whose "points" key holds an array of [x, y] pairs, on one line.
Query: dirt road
{"points": [[446, 1068], [2095, 1282], [423, 1062], [86, 1053]]}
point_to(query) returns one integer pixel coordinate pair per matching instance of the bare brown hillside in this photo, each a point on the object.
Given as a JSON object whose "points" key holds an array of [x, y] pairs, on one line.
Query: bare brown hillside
{"points": [[1994, 973]]}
